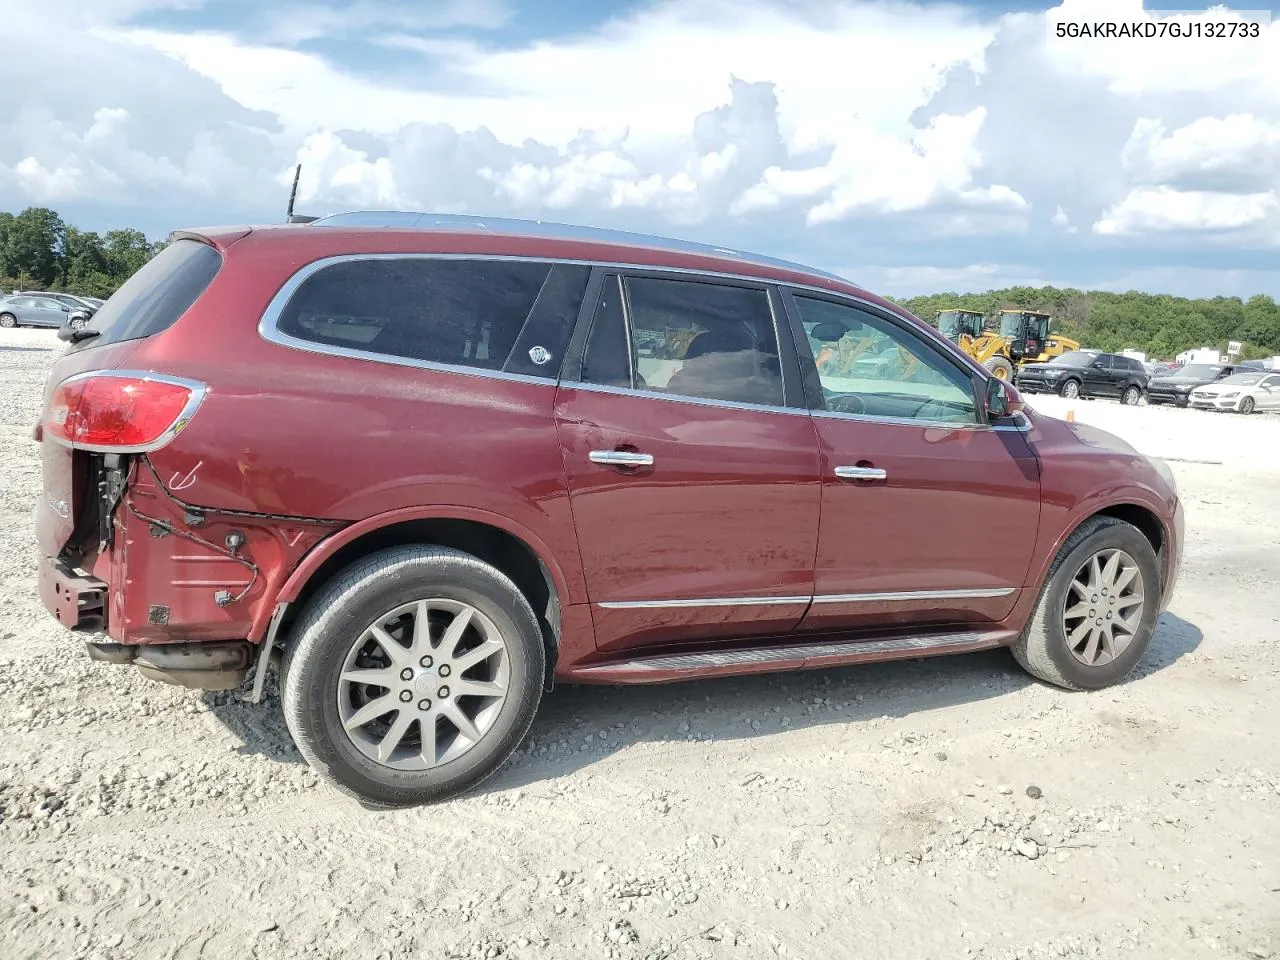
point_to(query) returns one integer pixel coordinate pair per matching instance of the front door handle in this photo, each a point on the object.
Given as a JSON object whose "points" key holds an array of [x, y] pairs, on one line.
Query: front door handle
{"points": [[861, 473], [620, 458]]}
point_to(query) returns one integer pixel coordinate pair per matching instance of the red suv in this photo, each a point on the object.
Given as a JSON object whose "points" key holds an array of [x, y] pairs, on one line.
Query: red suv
{"points": [[440, 463]]}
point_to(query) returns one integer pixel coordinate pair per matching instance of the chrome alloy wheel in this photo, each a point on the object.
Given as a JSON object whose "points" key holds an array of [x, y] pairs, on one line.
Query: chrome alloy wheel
{"points": [[423, 684], [1103, 607]]}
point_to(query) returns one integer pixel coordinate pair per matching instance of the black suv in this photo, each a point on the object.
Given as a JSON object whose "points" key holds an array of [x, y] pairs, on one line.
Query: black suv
{"points": [[1081, 374], [1176, 387]]}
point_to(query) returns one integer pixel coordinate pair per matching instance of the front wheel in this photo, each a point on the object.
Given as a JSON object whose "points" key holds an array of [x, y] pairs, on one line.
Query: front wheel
{"points": [[1246, 405], [8, 320], [1070, 389], [1000, 368], [1131, 395], [1097, 608], [413, 675]]}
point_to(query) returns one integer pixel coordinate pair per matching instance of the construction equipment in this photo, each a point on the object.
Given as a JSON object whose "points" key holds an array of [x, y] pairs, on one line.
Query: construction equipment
{"points": [[1023, 337]]}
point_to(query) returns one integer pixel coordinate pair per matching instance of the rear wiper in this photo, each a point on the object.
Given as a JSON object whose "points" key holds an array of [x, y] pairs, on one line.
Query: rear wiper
{"points": [[76, 334]]}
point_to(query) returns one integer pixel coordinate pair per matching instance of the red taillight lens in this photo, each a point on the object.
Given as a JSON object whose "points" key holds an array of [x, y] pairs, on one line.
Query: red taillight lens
{"points": [[120, 413]]}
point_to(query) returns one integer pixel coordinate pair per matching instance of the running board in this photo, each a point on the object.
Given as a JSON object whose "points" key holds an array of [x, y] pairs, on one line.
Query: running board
{"points": [[796, 656]]}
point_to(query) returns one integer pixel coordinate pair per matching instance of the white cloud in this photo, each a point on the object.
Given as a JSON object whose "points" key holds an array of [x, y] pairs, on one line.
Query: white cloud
{"points": [[1149, 209], [809, 129]]}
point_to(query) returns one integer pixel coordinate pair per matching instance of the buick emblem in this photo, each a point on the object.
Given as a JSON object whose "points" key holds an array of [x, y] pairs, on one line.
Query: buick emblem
{"points": [[540, 355]]}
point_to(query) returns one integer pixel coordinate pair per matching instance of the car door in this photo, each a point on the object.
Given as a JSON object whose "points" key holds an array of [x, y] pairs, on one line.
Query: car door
{"points": [[691, 462], [1268, 393], [48, 312], [929, 512], [23, 308], [1100, 377]]}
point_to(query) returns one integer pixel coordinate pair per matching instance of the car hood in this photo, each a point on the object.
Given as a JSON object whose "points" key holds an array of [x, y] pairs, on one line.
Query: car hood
{"points": [[1180, 381], [1041, 367]]}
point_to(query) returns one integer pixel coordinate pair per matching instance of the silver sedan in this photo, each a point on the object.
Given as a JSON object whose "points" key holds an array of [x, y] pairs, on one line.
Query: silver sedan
{"points": [[39, 312]]}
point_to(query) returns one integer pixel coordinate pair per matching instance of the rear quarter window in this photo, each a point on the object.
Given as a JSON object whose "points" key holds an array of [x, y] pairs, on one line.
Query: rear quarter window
{"points": [[502, 315], [155, 297]]}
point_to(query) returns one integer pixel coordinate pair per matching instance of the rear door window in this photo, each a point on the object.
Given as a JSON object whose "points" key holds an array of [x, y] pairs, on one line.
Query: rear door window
{"points": [[502, 315], [159, 293]]}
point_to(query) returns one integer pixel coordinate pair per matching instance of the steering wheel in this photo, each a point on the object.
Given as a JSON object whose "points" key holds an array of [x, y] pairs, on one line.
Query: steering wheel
{"points": [[845, 403]]}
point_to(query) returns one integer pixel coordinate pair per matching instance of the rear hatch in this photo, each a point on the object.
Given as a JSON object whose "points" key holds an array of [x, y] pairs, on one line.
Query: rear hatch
{"points": [[78, 486]]}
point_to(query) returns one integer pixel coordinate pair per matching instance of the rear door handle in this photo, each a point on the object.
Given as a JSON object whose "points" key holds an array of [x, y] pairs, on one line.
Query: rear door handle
{"points": [[861, 473], [620, 458]]}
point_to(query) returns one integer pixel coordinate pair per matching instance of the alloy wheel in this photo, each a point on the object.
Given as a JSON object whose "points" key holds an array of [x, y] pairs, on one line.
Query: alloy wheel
{"points": [[1071, 390], [1103, 607], [1246, 405], [423, 684]]}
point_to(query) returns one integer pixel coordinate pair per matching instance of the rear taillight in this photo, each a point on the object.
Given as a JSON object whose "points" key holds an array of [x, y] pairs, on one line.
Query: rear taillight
{"points": [[121, 411]]}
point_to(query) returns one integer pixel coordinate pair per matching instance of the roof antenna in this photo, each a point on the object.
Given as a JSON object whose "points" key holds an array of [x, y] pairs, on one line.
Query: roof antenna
{"points": [[290, 216]]}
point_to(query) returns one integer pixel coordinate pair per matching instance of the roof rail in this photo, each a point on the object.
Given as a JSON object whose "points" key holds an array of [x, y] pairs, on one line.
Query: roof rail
{"points": [[414, 220]]}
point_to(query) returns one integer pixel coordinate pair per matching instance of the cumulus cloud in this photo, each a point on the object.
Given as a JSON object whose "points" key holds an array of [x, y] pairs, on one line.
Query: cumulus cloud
{"points": [[842, 132]]}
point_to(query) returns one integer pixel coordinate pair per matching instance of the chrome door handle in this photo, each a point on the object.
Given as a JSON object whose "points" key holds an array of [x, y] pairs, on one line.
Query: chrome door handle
{"points": [[861, 473], [620, 458]]}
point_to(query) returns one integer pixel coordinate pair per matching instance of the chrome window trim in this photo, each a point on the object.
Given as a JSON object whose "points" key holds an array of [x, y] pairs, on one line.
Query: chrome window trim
{"points": [[268, 329], [198, 390], [979, 593], [654, 394]]}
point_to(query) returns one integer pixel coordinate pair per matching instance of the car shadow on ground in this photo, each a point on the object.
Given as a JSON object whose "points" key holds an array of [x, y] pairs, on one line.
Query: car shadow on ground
{"points": [[717, 710]]}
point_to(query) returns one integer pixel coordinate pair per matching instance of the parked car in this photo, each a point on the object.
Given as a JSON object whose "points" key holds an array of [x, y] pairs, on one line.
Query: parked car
{"points": [[75, 303], [1086, 374], [1176, 387], [1240, 392], [26, 311], [430, 465]]}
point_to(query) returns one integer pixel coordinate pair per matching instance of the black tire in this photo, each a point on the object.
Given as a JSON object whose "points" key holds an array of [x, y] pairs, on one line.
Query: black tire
{"points": [[1070, 389], [8, 320], [78, 323], [1000, 368], [1246, 405], [1131, 395], [344, 608], [1042, 648]]}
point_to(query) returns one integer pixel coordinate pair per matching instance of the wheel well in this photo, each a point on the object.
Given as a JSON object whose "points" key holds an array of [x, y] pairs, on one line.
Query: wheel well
{"points": [[1142, 518], [493, 545]]}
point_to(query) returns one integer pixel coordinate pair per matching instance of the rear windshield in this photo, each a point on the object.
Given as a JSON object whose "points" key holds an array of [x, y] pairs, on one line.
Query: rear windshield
{"points": [[157, 295]]}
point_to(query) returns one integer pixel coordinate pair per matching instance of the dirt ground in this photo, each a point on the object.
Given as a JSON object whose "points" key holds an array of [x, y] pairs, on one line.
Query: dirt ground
{"points": [[868, 812]]}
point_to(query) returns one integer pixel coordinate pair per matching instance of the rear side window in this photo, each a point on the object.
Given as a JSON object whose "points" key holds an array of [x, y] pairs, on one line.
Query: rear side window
{"points": [[508, 315], [154, 298]]}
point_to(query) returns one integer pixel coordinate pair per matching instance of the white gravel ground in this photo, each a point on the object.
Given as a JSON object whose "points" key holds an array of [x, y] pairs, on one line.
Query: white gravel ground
{"points": [[874, 812]]}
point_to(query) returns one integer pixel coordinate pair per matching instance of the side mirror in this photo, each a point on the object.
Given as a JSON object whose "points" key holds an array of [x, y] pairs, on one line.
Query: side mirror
{"points": [[65, 308], [1002, 399]]}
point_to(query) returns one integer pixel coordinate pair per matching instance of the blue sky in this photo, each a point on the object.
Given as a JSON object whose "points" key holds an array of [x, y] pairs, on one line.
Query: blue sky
{"points": [[914, 147]]}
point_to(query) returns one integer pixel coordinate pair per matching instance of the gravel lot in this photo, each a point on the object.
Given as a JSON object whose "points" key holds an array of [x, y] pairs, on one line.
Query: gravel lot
{"points": [[949, 808]]}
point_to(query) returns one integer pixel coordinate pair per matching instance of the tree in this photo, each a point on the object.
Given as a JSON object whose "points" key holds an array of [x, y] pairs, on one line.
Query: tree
{"points": [[34, 245], [126, 251]]}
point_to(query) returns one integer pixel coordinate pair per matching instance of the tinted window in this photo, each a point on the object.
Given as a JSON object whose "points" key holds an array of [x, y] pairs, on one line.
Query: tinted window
{"points": [[491, 314], [704, 340], [1073, 359], [1205, 371], [607, 356], [869, 366], [157, 295]]}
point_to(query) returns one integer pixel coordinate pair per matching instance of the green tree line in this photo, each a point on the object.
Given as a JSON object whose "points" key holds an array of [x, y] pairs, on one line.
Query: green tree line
{"points": [[38, 251], [1157, 324]]}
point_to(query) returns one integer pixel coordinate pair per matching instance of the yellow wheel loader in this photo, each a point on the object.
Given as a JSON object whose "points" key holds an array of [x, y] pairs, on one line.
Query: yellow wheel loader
{"points": [[1023, 337]]}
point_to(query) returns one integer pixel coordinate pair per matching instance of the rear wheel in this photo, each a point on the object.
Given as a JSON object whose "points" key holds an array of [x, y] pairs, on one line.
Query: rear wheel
{"points": [[1000, 368], [413, 675], [1097, 609], [1131, 395], [1246, 405], [8, 320], [1070, 389]]}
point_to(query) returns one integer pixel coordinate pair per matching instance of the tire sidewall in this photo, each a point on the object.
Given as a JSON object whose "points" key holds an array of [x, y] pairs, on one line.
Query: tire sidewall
{"points": [[1131, 541], [315, 679]]}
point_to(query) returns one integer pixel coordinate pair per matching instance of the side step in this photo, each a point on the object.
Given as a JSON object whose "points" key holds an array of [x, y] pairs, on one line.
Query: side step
{"points": [[794, 656]]}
